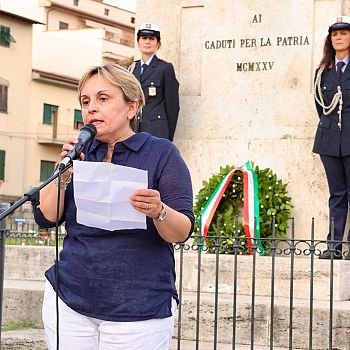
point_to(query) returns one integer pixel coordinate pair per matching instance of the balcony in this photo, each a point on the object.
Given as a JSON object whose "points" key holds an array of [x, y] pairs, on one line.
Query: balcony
{"points": [[115, 48], [54, 134]]}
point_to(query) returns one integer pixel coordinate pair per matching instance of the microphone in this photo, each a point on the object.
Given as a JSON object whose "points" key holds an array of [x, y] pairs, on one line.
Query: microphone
{"points": [[87, 134]]}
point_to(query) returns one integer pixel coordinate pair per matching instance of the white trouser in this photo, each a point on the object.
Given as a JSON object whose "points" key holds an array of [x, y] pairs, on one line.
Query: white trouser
{"points": [[79, 332]]}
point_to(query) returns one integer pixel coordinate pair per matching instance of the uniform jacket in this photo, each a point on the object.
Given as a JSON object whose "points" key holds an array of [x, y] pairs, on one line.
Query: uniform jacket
{"points": [[161, 90], [330, 140]]}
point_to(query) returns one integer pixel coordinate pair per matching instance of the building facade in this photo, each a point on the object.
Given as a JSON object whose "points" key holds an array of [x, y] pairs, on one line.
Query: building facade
{"points": [[39, 77], [15, 85]]}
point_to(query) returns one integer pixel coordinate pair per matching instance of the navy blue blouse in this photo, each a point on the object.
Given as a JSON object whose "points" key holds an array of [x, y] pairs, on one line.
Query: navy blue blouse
{"points": [[124, 275]]}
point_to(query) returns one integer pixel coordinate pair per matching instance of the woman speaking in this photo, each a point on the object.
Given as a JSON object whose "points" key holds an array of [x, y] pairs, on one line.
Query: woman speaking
{"points": [[117, 288]]}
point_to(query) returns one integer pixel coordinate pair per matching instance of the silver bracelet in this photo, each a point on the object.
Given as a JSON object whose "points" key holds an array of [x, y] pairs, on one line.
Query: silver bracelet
{"points": [[64, 183]]}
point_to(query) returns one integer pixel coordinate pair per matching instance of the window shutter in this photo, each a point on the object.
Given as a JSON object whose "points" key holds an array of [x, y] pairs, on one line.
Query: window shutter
{"points": [[47, 114], [77, 116], [5, 34], [3, 98], [2, 165], [8, 36], [48, 110], [46, 169]]}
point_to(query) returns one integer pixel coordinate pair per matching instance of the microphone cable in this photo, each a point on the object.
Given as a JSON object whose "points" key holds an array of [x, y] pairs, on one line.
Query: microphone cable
{"points": [[86, 135], [56, 257]]}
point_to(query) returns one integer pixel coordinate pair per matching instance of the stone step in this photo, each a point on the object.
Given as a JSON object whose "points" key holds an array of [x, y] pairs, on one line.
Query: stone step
{"points": [[23, 302], [31, 262], [263, 275], [27, 262], [262, 321], [191, 345], [33, 339]]}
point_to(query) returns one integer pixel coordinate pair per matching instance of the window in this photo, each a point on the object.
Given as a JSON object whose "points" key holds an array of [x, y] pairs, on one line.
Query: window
{"points": [[46, 169], [49, 111], [3, 99], [78, 119], [76, 2], [2, 165], [5, 37], [132, 20], [106, 12], [63, 25]]}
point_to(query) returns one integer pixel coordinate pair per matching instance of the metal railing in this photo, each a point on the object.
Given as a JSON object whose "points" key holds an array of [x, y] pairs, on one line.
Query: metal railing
{"points": [[230, 299], [283, 324], [36, 238], [29, 233]]}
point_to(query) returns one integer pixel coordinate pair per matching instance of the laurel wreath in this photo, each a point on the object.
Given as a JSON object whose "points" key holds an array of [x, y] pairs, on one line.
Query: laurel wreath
{"points": [[274, 206]]}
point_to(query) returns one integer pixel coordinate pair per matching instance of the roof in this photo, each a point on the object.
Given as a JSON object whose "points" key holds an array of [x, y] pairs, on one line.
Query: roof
{"points": [[39, 74], [20, 18], [87, 15]]}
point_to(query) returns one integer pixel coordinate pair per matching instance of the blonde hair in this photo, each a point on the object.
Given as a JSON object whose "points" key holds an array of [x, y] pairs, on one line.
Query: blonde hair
{"points": [[123, 79]]}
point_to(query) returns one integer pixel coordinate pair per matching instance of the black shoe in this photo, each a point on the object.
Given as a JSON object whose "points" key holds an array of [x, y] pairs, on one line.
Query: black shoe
{"points": [[337, 255]]}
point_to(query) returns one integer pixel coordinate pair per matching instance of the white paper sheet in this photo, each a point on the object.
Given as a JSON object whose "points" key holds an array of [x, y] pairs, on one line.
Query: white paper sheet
{"points": [[102, 195]]}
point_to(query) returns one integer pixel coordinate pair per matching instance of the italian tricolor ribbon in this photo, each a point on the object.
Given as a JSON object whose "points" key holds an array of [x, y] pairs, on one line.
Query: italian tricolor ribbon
{"points": [[251, 216]]}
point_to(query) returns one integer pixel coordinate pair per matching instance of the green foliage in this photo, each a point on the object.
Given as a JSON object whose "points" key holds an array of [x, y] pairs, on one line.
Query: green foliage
{"points": [[273, 200], [14, 326]]}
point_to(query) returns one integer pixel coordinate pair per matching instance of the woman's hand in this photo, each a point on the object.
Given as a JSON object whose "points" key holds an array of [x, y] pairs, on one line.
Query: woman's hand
{"points": [[48, 195], [147, 201], [66, 148], [174, 228]]}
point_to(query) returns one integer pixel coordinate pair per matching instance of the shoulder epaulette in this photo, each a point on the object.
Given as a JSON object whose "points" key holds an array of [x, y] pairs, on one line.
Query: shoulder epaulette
{"points": [[132, 67]]}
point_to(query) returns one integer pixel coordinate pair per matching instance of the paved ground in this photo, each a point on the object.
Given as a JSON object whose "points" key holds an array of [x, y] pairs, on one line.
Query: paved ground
{"points": [[29, 339], [34, 339], [191, 345]]}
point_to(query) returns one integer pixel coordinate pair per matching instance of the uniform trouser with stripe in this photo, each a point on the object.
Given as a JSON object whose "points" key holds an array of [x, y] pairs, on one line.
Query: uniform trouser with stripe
{"points": [[338, 177]]}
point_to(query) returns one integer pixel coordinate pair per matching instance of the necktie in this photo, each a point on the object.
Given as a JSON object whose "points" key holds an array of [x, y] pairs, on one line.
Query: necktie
{"points": [[340, 65], [143, 68]]}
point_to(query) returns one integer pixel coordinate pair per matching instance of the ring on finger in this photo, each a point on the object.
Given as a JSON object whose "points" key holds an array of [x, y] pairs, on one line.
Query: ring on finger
{"points": [[147, 206]]}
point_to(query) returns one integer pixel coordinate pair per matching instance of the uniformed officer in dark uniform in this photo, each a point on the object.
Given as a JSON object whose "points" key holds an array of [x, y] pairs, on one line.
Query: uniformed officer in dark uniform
{"points": [[159, 85], [332, 141]]}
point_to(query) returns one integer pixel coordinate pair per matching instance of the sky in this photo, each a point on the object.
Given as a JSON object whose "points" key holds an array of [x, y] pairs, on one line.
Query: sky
{"points": [[124, 4]]}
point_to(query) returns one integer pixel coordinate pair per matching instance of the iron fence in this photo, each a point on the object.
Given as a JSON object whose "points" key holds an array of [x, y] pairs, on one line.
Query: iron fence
{"points": [[280, 315], [37, 237], [234, 297]]}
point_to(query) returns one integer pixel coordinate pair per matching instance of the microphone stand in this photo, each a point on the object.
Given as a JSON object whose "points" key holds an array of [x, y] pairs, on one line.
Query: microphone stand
{"points": [[2, 263], [32, 195]]}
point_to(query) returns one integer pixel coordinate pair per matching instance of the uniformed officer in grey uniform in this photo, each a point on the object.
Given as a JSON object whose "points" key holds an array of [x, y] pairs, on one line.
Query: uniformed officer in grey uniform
{"points": [[332, 141], [159, 85]]}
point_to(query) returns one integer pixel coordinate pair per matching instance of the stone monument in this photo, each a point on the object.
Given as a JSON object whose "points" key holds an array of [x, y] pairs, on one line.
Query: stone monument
{"points": [[246, 89]]}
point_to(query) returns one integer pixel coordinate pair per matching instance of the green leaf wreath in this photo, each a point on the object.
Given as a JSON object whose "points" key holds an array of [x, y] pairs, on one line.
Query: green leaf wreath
{"points": [[274, 203]]}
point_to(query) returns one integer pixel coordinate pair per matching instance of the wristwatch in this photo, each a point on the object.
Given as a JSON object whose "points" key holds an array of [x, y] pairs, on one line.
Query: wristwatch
{"points": [[163, 213]]}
